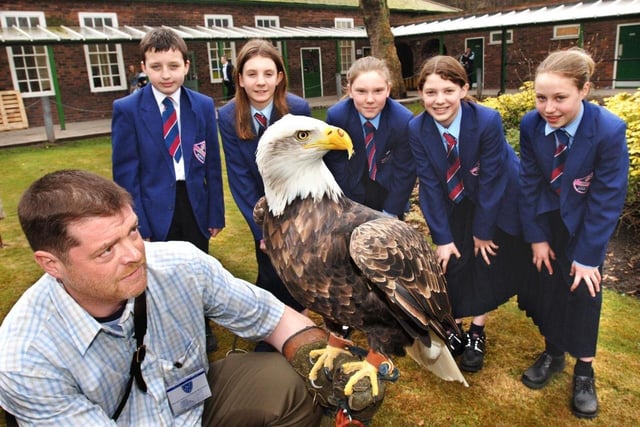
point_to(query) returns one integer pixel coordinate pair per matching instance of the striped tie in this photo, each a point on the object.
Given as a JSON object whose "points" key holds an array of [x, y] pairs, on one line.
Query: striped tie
{"points": [[170, 129], [262, 123], [559, 157], [454, 183], [370, 146]]}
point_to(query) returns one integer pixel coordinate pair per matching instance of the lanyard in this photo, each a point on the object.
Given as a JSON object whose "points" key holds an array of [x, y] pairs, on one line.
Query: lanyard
{"points": [[140, 329]]}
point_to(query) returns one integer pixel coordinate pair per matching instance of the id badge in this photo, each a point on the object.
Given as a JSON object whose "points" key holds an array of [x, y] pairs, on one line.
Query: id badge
{"points": [[188, 392]]}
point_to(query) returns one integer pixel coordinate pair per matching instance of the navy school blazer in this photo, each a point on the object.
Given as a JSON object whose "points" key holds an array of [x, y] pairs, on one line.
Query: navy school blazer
{"points": [[395, 163], [488, 167], [593, 187], [142, 165], [245, 180]]}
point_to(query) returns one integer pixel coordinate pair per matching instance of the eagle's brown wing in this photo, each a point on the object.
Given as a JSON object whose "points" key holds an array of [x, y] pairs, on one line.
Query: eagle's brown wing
{"points": [[399, 260]]}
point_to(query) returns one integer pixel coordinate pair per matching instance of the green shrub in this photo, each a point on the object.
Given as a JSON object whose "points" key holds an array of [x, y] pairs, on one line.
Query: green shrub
{"points": [[513, 106], [627, 107]]}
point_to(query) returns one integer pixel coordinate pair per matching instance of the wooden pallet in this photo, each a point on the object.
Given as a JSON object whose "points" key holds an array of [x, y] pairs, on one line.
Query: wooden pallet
{"points": [[12, 113]]}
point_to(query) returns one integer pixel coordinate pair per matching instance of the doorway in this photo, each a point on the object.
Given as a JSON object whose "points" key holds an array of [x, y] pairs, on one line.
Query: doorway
{"points": [[627, 64], [311, 72], [477, 47]]}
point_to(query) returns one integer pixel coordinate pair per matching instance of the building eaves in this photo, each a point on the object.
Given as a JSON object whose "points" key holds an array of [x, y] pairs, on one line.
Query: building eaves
{"points": [[545, 15]]}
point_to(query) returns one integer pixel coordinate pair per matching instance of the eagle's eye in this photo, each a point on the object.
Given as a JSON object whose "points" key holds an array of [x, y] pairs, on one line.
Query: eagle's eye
{"points": [[303, 135]]}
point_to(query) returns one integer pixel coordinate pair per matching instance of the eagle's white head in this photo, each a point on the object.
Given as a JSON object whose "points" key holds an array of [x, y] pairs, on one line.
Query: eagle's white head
{"points": [[289, 158]]}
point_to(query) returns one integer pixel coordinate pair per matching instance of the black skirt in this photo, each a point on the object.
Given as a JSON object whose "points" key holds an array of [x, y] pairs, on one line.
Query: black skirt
{"points": [[569, 320], [474, 287]]}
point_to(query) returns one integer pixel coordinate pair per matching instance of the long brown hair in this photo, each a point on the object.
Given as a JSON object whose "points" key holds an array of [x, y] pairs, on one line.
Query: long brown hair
{"points": [[448, 68], [257, 47]]}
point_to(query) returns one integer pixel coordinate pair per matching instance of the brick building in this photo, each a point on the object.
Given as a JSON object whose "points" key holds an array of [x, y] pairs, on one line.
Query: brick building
{"points": [[75, 53], [56, 58]]}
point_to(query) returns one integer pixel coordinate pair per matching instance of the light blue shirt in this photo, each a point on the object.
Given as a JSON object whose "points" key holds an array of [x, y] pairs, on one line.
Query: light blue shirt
{"points": [[375, 122], [266, 111], [569, 129], [453, 129], [59, 366]]}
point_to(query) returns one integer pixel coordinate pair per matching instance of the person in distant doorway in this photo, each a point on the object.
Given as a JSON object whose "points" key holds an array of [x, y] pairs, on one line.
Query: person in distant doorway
{"points": [[467, 59], [166, 151], [227, 77]]}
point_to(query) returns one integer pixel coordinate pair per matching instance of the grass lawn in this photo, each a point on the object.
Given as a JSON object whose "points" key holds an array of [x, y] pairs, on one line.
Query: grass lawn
{"points": [[495, 396]]}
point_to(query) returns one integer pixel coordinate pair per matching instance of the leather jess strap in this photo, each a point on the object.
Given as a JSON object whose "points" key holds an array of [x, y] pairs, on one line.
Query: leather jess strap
{"points": [[140, 329]]}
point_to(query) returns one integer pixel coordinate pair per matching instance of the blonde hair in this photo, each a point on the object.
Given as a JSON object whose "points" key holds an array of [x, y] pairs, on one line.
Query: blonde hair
{"points": [[574, 64], [366, 64]]}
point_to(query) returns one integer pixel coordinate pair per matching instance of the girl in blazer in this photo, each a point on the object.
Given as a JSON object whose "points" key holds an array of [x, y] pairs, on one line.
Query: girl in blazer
{"points": [[468, 180], [383, 179], [261, 85], [574, 171]]}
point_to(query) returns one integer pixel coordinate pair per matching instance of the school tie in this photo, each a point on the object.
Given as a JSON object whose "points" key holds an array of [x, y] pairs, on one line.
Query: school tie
{"points": [[170, 129], [559, 157], [454, 183], [370, 146], [262, 123]]}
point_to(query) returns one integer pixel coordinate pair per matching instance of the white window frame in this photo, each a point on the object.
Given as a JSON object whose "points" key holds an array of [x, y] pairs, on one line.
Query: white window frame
{"points": [[495, 37], [216, 49], [38, 54], [558, 28], [274, 22], [109, 52], [346, 48]]}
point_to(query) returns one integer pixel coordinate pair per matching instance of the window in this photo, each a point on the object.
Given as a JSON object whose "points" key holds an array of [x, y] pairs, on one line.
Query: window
{"points": [[495, 37], [566, 31], [269, 22], [220, 48], [104, 61], [346, 48], [29, 65]]}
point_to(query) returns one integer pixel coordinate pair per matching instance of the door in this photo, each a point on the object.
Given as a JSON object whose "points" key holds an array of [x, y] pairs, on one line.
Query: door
{"points": [[477, 47], [311, 72], [628, 56], [191, 79]]}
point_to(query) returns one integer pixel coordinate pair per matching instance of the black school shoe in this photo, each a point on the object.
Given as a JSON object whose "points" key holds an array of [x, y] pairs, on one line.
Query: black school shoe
{"points": [[540, 373], [473, 356], [455, 342], [585, 402]]}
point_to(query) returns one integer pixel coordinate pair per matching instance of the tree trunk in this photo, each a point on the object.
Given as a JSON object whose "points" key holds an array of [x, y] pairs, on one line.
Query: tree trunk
{"points": [[376, 21]]}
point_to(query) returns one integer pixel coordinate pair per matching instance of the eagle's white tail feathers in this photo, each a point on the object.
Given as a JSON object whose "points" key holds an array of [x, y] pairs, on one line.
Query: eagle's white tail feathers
{"points": [[437, 359]]}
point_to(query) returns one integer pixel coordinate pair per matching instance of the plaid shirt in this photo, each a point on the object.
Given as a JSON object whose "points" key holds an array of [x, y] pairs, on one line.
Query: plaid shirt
{"points": [[58, 365]]}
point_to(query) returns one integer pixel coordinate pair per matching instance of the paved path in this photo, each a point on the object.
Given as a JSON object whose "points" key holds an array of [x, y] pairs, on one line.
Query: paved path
{"points": [[79, 130]]}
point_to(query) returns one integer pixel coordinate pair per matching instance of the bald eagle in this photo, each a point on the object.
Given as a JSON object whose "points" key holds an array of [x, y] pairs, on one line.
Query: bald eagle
{"points": [[353, 265]]}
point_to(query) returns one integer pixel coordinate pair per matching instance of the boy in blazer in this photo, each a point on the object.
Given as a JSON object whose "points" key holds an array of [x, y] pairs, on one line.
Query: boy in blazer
{"points": [[165, 151]]}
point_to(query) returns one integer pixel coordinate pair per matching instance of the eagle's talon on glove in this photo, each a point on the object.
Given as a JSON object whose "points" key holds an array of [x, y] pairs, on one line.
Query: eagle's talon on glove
{"points": [[361, 370], [325, 356]]}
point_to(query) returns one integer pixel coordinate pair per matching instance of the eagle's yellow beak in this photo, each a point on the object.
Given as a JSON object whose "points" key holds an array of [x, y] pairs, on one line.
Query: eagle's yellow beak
{"points": [[334, 138]]}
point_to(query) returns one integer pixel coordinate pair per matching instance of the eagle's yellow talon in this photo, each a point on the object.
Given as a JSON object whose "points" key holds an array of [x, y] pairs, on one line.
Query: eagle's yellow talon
{"points": [[362, 369], [325, 356]]}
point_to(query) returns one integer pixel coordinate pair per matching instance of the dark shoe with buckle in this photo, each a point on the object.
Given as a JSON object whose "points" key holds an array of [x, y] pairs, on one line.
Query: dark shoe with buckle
{"points": [[473, 356], [585, 401], [540, 373], [455, 342]]}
